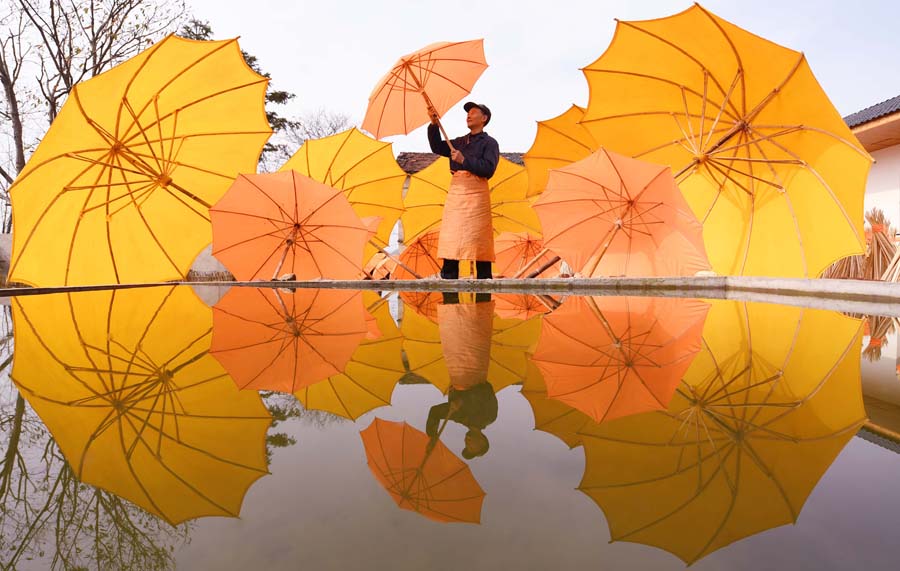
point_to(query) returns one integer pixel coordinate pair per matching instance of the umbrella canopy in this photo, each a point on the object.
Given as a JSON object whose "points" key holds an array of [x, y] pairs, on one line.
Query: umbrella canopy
{"points": [[610, 215], [124, 383], [763, 157], [424, 303], [285, 222], [364, 170], [437, 76], [763, 411], [119, 188], [370, 375], [421, 474], [270, 339], [466, 340], [611, 357], [558, 142], [420, 255], [380, 266], [510, 209], [519, 251]]}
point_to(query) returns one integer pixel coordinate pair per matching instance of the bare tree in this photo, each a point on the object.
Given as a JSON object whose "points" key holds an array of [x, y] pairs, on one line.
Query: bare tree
{"points": [[48, 46], [315, 125]]}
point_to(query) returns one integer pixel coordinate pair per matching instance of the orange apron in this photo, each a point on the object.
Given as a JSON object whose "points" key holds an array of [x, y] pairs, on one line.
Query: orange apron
{"points": [[466, 232], [466, 330]]}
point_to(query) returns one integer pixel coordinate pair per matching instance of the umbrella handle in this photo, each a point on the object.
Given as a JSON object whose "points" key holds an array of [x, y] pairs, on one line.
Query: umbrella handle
{"points": [[399, 263], [530, 263]]}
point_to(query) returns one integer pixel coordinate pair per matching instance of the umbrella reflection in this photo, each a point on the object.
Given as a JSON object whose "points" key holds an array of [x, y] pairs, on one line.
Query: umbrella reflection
{"points": [[421, 474], [369, 378], [283, 340], [767, 405], [124, 383]]}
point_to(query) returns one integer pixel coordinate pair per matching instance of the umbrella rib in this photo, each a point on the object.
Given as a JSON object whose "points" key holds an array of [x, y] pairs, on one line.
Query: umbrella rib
{"points": [[821, 180], [684, 52], [546, 125]]}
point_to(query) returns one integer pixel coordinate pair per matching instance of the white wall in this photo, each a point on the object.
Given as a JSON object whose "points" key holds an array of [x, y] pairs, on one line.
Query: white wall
{"points": [[883, 187]]}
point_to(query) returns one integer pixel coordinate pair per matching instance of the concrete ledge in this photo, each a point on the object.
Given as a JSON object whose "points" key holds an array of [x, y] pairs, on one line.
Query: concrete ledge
{"points": [[850, 296]]}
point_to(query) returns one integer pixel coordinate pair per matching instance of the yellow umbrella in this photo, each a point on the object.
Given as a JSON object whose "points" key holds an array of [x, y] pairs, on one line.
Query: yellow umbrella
{"points": [[124, 382], [510, 209], [368, 380], [558, 142], [511, 343], [763, 158], [364, 169], [119, 189], [763, 411]]}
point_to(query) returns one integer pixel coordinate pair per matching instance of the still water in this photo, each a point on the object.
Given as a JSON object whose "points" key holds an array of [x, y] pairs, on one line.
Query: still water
{"points": [[273, 428]]}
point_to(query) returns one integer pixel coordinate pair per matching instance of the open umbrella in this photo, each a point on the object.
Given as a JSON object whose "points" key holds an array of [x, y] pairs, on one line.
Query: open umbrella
{"points": [[611, 215], [764, 159], [522, 306], [468, 339], [118, 189], [420, 256], [424, 303], [124, 383], [431, 80], [285, 222], [369, 377], [517, 252], [558, 142], [763, 411], [611, 357], [270, 339], [510, 209], [421, 474], [364, 170]]}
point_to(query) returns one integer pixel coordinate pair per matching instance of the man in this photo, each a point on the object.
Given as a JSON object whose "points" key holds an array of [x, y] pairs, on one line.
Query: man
{"points": [[466, 230]]}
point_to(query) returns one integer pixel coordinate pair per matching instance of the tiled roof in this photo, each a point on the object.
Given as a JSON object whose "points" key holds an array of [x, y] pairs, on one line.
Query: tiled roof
{"points": [[412, 163], [888, 107]]}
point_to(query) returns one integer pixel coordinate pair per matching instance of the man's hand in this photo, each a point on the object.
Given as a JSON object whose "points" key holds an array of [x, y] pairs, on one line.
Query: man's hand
{"points": [[434, 117], [457, 156]]}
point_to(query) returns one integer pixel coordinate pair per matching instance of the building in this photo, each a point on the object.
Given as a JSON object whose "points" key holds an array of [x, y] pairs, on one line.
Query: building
{"points": [[878, 129]]}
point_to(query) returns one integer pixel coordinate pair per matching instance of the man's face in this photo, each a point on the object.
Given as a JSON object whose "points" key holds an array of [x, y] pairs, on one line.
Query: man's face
{"points": [[475, 118]]}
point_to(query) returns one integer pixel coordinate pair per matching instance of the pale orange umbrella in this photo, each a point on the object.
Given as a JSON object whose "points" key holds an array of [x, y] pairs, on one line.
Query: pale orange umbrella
{"points": [[432, 79], [611, 215], [285, 222], [421, 474], [272, 339], [611, 357], [380, 267], [518, 251], [420, 256]]}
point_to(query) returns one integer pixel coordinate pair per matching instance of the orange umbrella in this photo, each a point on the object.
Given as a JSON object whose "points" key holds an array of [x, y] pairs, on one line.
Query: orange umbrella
{"points": [[518, 251], [287, 222], [613, 215], [421, 257], [611, 357], [421, 474], [380, 267], [443, 73], [279, 340]]}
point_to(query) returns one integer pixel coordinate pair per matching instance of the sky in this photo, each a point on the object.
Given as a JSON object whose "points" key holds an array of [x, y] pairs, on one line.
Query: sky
{"points": [[332, 53]]}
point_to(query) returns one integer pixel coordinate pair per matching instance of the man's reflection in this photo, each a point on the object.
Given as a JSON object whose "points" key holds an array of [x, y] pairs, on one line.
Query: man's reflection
{"points": [[465, 331]]}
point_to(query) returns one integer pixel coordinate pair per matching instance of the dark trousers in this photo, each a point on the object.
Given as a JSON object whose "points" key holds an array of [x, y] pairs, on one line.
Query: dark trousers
{"points": [[450, 270]]}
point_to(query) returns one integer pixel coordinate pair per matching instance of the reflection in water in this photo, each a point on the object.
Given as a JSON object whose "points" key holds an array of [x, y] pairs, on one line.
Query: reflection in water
{"points": [[369, 378], [765, 408], [124, 383], [701, 423], [285, 340], [612, 357], [421, 474]]}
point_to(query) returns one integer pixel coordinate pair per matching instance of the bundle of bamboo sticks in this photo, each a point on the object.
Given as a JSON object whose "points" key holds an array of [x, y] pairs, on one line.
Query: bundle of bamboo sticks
{"points": [[879, 328], [882, 249]]}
